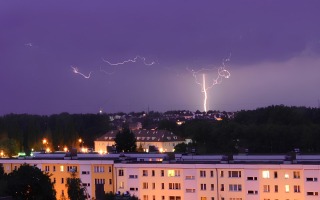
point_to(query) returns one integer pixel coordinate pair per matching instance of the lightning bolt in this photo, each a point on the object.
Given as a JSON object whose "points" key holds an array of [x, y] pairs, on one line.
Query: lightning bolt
{"points": [[222, 73], [143, 59], [76, 71], [204, 90]]}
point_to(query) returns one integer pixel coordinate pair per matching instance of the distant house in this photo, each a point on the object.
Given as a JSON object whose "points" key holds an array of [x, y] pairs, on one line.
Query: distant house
{"points": [[163, 140]]}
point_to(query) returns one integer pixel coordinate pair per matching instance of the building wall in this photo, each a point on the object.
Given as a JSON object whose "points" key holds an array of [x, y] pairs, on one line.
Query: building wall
{"points": [[60, 171], [177, 181], [101, 146]]}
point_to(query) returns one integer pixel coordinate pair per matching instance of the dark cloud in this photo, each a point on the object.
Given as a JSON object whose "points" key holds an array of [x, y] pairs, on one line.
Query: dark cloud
{"points": [[175, 34]]}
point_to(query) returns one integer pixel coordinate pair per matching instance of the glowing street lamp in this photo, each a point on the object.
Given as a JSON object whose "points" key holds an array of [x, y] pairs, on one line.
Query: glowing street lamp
{"points": [[44, 141]]}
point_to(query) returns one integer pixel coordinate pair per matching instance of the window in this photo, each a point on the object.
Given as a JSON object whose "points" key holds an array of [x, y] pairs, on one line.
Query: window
{"points": [[62, 180], [144, 172], [145, 197], [265, 174], [144, 185], [162, 186], [162, 172], [110, 181], [190, 177], [276, 188], [98, 169], [222, 187], [221, 173], [190, 190], [203, 186], [47, 168], [153, 173], [54, 168], [235, 187], [174, 186], [86, 184], [133, 176], [61, 168], [296, 188], [62, 192], [162, 197], [121, 185], [275, 174], [120, 172], [234, 174], [54, 180], [72, 168], [252, 192], [172, 173], [202, 173], [153, 186], [252, 178], [296, 174], [85, 172], [110, 169], [286, 176], [212, 187], [314, 179], [266, 188], [312, 193], [211, 173], [174, 198], [100, 181], [286, 188]]}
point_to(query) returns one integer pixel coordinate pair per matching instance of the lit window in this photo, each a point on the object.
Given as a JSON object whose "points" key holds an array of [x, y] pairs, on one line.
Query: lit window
{"points": [[286, 188], [286, 176], [61, 168], [265, 174]]}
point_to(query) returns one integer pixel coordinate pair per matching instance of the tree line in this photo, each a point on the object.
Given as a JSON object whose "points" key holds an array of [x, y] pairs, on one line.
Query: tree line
{"points": [[274, 129], [23, 132]]}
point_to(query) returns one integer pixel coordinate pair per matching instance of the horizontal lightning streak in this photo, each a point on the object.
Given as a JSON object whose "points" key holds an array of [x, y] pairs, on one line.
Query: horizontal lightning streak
{"points": [[130, 60]]}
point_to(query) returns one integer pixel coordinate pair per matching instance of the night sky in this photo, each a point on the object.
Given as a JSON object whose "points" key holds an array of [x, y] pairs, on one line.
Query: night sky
{"points": [[271, 49]]}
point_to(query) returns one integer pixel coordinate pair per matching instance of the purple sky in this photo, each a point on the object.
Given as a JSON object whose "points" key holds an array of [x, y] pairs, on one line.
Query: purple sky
{"points": [[274, 47]]}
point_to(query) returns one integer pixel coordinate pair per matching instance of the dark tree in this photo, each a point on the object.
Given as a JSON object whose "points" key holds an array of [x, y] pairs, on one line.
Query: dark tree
{"points": [[126, 140], [75, 189], [3, 182], [29, 182], [180, 148]]}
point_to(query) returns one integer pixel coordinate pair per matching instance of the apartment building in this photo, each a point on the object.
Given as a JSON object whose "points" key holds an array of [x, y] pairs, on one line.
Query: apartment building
{"points": [[186, 177]]}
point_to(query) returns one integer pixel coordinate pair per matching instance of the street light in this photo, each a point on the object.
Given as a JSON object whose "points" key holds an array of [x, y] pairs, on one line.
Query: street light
{"points": [[44, 141]]}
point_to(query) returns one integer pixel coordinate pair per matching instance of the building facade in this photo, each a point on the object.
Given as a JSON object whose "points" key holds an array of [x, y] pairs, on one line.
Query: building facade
{"points": [[163, 140], [185, 177]]}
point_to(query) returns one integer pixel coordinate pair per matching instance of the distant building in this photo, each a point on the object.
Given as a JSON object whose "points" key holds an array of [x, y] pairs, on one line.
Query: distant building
{"points": [[163, 140]]}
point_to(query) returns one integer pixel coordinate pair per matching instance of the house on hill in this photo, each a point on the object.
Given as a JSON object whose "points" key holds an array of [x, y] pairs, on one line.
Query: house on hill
{"points": [[163, 140]]}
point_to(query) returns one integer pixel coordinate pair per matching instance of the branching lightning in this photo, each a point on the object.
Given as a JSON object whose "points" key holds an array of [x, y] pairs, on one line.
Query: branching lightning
{"points": [[76, 71], [143, 59], [222, 73]]}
